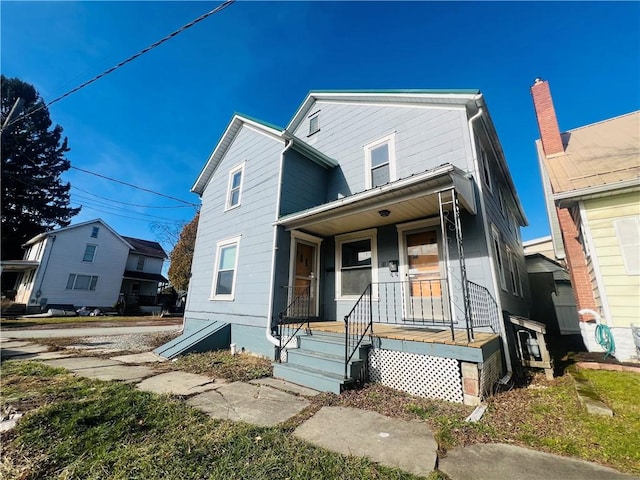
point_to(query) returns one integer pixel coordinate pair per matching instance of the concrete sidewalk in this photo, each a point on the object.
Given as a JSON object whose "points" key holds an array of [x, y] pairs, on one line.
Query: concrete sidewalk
{"points": [[407, 445]]}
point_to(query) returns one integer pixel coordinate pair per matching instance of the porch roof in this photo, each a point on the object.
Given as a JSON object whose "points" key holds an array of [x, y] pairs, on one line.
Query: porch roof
{"points": [[18, 265], [144, 276], [406, 199]]}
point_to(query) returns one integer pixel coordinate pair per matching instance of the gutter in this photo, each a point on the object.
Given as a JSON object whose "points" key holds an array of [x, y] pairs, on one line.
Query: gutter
{"points": [[271, 338], [487, 236]]}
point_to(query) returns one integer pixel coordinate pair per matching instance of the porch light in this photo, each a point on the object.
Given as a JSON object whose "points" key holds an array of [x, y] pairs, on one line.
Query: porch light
{"points": [[384, 213]]}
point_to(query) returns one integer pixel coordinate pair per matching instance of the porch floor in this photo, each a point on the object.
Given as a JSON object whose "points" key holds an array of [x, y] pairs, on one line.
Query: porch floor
{"points": [[414, 334]]}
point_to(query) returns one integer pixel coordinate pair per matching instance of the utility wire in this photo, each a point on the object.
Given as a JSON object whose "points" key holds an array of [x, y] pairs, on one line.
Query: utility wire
{"points": [[125, 203], [219, 8], [134, 186]]}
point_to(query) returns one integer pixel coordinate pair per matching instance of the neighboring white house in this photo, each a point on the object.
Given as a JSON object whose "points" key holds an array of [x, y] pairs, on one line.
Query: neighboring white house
{"points": [[389, 211], [87, 265]]}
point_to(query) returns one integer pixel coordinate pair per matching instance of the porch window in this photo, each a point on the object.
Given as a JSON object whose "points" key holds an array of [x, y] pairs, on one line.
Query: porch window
{"points": [[355, 257], [234, 188], [140, 264], [226, 267], [497, 250], [380, 161], [81, 282], [89, 253]]}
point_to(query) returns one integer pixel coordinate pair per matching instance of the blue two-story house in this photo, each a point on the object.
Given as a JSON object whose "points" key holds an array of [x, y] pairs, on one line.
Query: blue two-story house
{"points": [[374, 238]]}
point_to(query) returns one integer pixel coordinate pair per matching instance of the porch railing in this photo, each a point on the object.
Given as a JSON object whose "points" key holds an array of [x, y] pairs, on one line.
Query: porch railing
{"points": [[295, 316], [357, 323], [484, 309], [412, 302]]}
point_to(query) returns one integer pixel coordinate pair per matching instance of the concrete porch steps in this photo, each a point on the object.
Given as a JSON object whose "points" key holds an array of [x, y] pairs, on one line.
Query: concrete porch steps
{"points": [[318, 363]]}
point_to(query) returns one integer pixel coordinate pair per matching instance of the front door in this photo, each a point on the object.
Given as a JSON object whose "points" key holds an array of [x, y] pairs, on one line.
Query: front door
{"points": [[424, 286], [303, 297]]}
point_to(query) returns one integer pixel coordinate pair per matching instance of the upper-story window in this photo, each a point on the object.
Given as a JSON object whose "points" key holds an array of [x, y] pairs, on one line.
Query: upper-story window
{"points": [[89, 253], [486, 173], [503, 202], [140, 264], [314, 123], [380, 161], [234, 188], [497, 250], [94, 232]]}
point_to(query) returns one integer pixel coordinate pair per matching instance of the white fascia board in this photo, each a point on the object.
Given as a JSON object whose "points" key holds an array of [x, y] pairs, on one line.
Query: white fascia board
{"points": [[564, 199], [223, 144], [41, 236]]}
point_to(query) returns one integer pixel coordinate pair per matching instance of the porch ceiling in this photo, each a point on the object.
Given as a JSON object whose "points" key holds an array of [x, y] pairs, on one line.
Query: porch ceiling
{"points": [[406, 199]]}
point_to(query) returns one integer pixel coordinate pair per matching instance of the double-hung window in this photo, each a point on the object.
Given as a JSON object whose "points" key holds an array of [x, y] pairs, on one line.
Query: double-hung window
{"points": [[89, 253], [81, 282], [140, 263], [380, 161], [94, 232], [226, 269], [355, 257], [497, 248], [234, 188]]}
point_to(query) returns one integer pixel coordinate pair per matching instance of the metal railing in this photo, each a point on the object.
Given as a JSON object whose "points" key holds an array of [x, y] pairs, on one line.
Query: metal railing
{"points": [[484, 309], [357, 323], [294, 317]]}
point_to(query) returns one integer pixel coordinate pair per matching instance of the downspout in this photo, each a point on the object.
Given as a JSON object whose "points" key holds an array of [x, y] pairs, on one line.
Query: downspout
{"points": [[487, 236], [271, 338]]}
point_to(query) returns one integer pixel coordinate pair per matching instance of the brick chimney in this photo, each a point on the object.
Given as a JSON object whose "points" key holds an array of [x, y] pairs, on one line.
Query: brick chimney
{"points": [[546, 116]]}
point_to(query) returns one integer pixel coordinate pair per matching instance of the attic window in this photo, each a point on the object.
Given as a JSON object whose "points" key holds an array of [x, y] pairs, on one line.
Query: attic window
{"points": [[314, 123], [94, 232], [234, 187]]}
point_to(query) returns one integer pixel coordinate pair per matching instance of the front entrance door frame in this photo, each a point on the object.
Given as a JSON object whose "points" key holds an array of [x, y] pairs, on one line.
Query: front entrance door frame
{"points": [[306, 239]]}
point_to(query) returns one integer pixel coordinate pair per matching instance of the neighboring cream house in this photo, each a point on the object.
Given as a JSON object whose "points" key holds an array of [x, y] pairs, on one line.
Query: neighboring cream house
{"points": [[87, 265], [591, 179]]}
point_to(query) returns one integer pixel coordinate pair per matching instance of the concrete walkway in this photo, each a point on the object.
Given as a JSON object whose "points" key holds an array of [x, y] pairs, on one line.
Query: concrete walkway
{"points": [[407, 445]]}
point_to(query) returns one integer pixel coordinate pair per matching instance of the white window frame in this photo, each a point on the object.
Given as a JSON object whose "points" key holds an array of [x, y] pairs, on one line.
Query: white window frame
{"points": [[486, 171], [314, 116], [93, 281], [390, 141], [230, 190], [497, 251], [222, 244], [516, 287], [372, 236], [140, 263], [633, 223], [93, 257]]}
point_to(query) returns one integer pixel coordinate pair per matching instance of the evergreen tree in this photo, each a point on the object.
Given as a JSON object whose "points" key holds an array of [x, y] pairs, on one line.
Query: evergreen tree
{"points": [[34, 198], [182, 255]]}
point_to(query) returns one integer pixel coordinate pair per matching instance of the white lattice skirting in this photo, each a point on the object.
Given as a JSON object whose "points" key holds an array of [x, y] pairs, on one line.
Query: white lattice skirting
{"points": [[420, 375]]}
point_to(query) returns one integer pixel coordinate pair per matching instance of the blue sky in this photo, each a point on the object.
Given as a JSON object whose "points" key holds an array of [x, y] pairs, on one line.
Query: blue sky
{"points": [[155, 121]]}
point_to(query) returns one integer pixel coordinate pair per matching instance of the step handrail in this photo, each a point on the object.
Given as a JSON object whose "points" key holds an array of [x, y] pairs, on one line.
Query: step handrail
{"points": [[360, 316], [292, 329]]}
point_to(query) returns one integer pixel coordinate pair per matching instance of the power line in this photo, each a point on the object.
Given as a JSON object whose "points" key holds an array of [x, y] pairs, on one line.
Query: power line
{"points": [[124, 62], [125, 203], [144, 220], [134, 186]]}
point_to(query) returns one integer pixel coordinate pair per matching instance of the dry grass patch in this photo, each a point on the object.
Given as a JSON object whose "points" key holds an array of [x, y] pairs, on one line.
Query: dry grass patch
{"points": [[221, 364]]}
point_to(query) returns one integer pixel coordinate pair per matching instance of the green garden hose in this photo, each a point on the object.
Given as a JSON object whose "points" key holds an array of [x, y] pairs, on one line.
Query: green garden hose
{"points": [[604, 337]]}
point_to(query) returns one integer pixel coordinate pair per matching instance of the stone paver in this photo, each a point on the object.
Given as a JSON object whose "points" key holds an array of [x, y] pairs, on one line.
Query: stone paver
{"points": [[145, 357], [125, 373], [24, 350], [11, 343], [47, 355], [81, 363], [179, 383], [285, 386], [497, 461], [257, 404], [408, 445]]}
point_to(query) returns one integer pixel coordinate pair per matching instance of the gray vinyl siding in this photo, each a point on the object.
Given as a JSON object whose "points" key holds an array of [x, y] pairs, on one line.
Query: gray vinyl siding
{"points": [[304, 183], [425, 138], [252, 221], [63, 256]]}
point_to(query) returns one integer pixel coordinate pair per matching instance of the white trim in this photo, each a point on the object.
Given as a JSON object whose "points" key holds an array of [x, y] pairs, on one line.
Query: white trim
{"points": [[371, 235], [418, 224], [232, 173], [390, 141], [606, 311], [235, 241], [315, 242]]}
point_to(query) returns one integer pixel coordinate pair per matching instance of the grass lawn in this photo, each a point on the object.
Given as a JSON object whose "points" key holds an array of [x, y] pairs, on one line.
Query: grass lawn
{"points": [[77, 428]]}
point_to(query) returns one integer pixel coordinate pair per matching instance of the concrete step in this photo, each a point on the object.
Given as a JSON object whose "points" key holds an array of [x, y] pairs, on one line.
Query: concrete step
{"points": [[324, 362], [310, 377]]}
